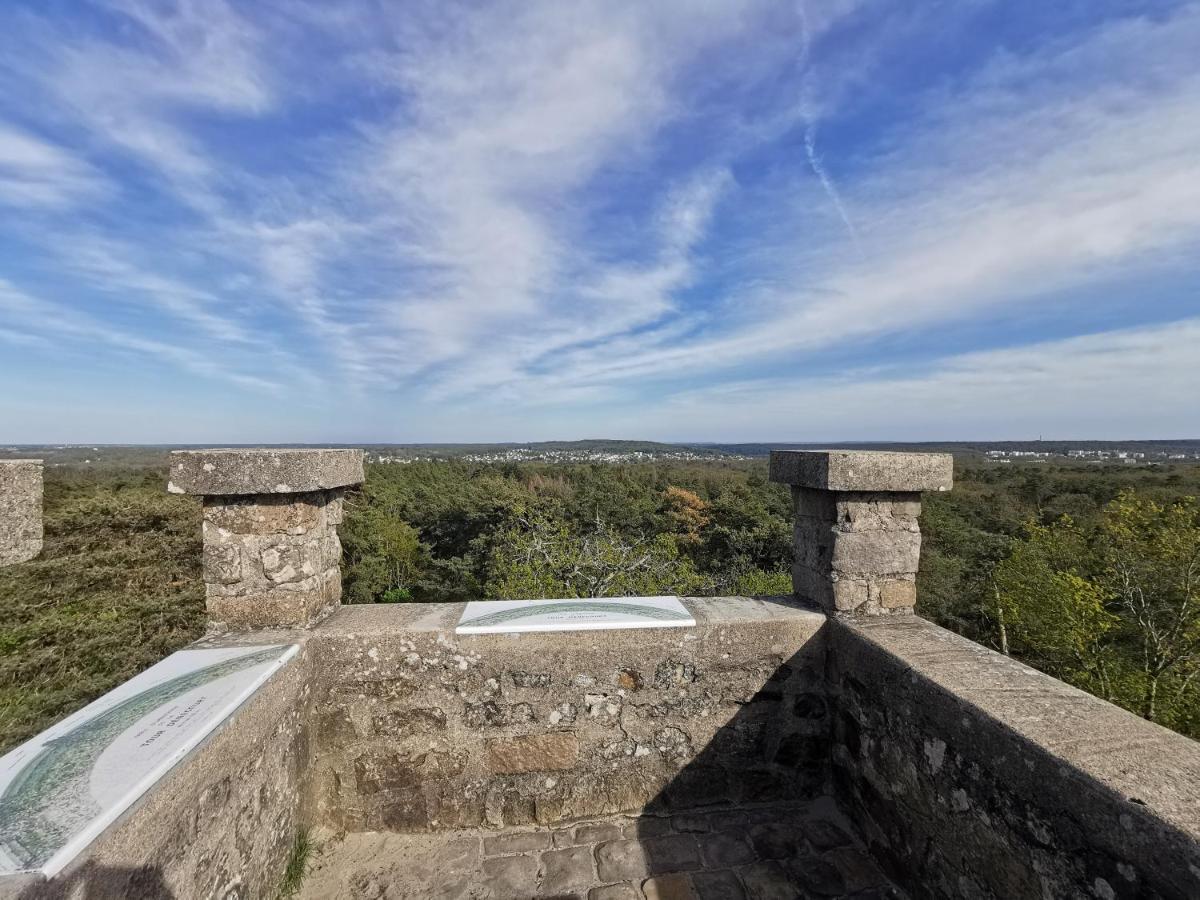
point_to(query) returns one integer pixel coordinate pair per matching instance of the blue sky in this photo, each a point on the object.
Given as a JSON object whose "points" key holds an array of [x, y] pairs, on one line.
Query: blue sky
{"points": [[851, 220]]}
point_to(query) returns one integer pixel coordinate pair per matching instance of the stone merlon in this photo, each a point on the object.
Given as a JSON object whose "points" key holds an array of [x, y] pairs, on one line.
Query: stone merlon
{"points": [[863, 470], [216, 473], [856, 533], [272, 557]]}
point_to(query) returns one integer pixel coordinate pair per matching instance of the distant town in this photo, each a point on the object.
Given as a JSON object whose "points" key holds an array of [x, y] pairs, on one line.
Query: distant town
{"points": [[1127, 457], [582, 455], [618, 452]]}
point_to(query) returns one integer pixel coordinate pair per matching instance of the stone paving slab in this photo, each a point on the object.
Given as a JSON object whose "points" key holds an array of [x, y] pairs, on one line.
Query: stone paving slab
{"points": [[766, 853]]}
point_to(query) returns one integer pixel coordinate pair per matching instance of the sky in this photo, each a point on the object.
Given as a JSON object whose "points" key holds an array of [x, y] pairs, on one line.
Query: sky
{"points": [[401, 222]]}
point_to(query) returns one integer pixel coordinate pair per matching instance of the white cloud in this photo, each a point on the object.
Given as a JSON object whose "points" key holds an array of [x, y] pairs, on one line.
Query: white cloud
{"points": [[36, 173], [1111, 385], [1036, 176], [540, 203], [37, 320]]}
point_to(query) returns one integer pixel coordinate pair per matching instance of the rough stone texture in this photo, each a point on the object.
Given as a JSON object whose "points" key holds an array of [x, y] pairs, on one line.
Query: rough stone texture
{"points": [[857, 539], [856, 553], [974, 776], [532, 753], [220, 824], [553, 727], [20, 510], [963, 773], [211, 473], [272, 560], [863, 470], [271, 551], [655, 862]]}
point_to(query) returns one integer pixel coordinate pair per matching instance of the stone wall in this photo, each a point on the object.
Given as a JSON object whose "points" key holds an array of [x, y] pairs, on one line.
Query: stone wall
{"points": [[415, 728], [968, 774], [857, 552], [974, 776], [272, 559], [221, 824], [20, 510]]}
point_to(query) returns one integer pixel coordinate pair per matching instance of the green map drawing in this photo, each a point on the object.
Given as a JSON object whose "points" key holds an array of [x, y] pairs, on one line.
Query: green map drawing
{"points": [[541, 609], [49, 801]]}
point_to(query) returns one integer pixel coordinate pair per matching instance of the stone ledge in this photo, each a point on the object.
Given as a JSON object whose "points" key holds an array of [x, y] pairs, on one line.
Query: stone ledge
{"points": [[259, 471], [863, 470], [1010, 763], [393, 618], [1108, 743]]}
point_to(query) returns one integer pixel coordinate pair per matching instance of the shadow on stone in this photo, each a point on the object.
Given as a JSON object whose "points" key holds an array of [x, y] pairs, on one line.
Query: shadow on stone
{"points": [[92, 881], [751, 814]]}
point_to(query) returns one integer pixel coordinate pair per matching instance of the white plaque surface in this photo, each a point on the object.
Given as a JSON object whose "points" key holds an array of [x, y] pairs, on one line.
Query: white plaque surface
{"points": [[594, 614], [59, 790]]}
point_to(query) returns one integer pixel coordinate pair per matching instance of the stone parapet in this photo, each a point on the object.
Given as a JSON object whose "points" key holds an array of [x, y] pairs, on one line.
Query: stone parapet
{"points": [[272, 557], [856, 532], [219, 824], [20, 510], [967, 774], [973, 775], [416, 728]]}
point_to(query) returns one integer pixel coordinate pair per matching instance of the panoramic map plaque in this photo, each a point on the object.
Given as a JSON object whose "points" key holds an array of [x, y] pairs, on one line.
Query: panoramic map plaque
{"points": [[59, 790], [595, 614]]}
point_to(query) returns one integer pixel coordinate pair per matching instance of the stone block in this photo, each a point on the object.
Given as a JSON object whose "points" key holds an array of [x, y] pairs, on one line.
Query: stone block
{"points": [[669, 887], [726, 850], [516, 842], [491, 714], [813, 585], [876, 552], [20, 510], [869, 511], [596, 832], [262, 471], [719, 885], [222, 563], [510, 876], [532, 753], [818, 877], [863, 470], [624, 891], [621, 861], [294, 605], [898, 593], [769, 881], [563, 870], [672, 853], [293, 514]]}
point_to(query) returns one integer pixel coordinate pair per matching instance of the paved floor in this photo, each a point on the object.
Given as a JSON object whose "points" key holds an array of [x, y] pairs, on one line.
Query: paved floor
{"points": [[774, 853]]}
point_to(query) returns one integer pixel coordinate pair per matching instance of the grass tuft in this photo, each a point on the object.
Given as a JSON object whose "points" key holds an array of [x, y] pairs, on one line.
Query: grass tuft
{"points": [[297, 865]]}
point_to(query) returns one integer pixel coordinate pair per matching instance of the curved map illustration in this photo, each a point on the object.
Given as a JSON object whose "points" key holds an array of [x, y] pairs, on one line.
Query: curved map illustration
{"points": [[543, 608], [592, 614], [46, 797]]}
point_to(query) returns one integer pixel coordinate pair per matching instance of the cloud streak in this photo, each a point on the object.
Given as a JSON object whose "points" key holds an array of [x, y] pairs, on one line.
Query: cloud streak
{"points": [[605, 207]]}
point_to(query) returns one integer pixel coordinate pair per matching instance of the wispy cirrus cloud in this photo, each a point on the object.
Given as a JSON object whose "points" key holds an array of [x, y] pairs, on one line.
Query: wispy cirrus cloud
{"points": [[37, 173], [1066, 388], [590, 206]]}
